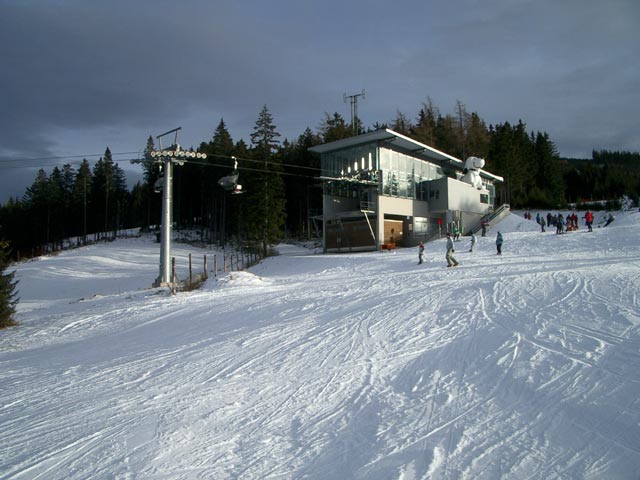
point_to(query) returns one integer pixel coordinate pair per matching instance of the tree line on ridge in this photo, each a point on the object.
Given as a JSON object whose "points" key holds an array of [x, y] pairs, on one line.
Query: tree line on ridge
{"points": [[280, 178]]}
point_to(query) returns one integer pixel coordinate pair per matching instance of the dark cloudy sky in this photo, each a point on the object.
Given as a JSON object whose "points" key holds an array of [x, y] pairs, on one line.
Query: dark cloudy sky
{"points": [[80, 75]]}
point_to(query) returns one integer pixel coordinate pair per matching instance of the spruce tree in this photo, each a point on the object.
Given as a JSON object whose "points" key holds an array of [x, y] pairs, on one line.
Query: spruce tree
{"points": [[548, 177], [334, 128], [264, 210], [109, 194], [58, 196], [460, 130], [150, 170], [151, 200], [219, 214], [425, 129], [8, 298], [81, 197], [303, 194], [477, 140], [447, 136], [513, 157], [39, 209], [402, 124]]}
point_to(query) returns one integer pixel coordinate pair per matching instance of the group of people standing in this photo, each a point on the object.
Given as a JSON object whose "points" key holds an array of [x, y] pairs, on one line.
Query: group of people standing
{"points": [[562, 224], [566, 224]]}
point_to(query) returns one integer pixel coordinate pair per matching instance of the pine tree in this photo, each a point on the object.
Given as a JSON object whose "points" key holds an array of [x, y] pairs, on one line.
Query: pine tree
{"points": [[447, 137], [81, 197], [477, 136], [460, 130], [220, 214], [60, 185], [109, 191], [402, 124], [101, 184], [334, 128], [548, 174], [150, 170], [303, 195], [39, 209], [425, 129], [151, 201], [137, 212], [8, 285], [121, 199], [264, 211], [512, 156], [221, 143]]}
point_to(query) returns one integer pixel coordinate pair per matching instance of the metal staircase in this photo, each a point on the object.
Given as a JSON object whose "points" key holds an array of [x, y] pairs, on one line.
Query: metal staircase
{"points": [[492, 218]]}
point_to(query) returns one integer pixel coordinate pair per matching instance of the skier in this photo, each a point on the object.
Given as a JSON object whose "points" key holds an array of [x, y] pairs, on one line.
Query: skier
{"points": [[451, 261], [542, 223], [499, 243], [588, 220], [609, 220], [559, 224], [474, 239], [420, 253]]}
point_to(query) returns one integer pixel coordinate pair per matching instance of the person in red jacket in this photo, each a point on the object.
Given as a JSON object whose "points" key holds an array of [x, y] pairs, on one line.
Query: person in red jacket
{"points": [[588, 220]]}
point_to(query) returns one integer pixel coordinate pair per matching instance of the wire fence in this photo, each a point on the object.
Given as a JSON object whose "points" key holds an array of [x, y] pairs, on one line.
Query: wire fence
{"points": [[220, 264], [211, 265]]}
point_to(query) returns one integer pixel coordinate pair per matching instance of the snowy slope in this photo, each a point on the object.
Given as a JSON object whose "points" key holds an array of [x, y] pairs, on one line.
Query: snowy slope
{"points": [[525, 365]]}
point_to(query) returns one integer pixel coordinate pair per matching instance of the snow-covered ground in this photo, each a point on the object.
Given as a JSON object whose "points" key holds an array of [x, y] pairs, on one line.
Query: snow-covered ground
{"points": [[365, 366]]}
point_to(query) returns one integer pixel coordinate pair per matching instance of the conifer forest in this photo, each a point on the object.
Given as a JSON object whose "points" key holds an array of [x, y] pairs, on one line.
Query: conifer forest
{"points": [[280, 182]]}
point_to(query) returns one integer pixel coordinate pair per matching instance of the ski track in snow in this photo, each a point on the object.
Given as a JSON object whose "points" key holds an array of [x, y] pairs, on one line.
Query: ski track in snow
{"points": [[363, 366]]}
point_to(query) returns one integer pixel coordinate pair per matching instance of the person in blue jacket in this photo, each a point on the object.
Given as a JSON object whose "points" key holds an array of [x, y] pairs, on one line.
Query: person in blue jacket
{"points": [[499, 243]]}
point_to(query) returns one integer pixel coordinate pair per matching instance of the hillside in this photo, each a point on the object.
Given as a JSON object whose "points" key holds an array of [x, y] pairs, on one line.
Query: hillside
{"points": [[364, 366]]}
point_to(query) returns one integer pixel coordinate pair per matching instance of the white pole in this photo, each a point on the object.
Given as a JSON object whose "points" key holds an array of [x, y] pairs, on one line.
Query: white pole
{"points": [[165, 276], [165, 246]]}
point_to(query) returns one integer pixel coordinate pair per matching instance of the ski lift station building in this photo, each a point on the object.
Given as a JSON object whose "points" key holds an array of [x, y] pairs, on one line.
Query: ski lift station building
{"points": [[383, 189]]}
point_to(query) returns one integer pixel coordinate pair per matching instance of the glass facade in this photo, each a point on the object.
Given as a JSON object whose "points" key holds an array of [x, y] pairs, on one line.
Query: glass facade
{"points": [[350, 161], [402, 175], [405, 176]]}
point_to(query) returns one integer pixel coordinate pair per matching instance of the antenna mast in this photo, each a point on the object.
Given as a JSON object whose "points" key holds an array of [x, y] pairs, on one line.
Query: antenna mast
{"points": [[354, 109]]}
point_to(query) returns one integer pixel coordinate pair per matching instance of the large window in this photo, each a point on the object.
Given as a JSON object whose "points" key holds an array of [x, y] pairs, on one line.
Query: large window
{"points": [[350, 161], [405, 176], [402, 175]]}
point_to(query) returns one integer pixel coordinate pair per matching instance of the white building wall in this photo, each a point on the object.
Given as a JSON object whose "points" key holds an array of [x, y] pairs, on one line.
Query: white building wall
{"points": [[465, 197], [398, 206]]}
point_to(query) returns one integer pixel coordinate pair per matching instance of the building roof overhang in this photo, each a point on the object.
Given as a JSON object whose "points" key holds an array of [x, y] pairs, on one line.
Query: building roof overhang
{"points": [[400, 142]]}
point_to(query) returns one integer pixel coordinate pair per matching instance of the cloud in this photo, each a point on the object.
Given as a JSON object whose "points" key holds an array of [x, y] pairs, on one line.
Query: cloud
{"points": [[79, 76]]}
